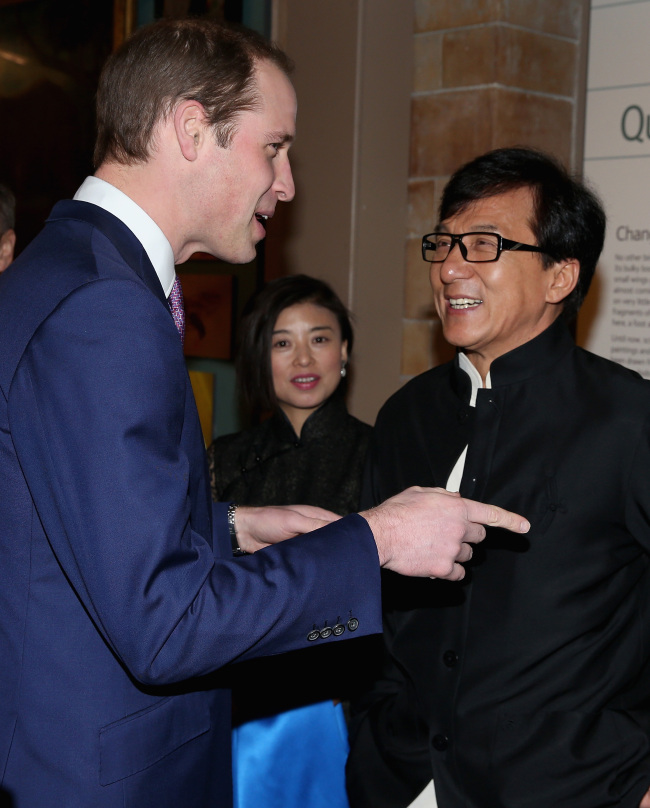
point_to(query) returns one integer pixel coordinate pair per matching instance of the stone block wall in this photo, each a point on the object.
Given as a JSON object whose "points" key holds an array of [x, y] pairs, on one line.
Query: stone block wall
{"points": [[487, 73]]}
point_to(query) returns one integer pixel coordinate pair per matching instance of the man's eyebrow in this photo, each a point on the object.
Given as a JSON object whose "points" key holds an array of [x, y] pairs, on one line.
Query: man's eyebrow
{"points": [[442, 228], [279, 137]]}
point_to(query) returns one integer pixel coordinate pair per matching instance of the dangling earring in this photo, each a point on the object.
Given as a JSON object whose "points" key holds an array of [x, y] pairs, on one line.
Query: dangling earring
{"points": [[343, 371]]}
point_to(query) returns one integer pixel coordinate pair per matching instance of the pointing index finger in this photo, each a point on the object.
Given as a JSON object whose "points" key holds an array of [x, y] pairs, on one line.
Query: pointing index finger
{"points": [[494, 516]]}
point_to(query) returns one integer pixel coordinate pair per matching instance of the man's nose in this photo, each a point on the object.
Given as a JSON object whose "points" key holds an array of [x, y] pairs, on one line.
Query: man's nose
{"points": [[455, 265], [284, 184]]}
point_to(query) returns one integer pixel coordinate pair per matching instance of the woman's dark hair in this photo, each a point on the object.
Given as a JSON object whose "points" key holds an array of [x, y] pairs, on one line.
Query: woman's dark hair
{"points": [[569, 218], [253, 363]]}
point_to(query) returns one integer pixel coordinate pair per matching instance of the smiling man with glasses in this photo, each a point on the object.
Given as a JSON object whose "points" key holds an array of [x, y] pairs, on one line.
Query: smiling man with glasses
{"points": [[528, 683]]}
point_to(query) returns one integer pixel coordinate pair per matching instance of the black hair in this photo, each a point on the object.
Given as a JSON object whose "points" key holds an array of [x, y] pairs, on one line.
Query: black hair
{"points": [[569, 219], [253, 362]]}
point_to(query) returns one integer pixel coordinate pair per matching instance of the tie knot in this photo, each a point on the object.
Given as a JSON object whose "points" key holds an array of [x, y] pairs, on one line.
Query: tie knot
{"points": [[175, 301]]}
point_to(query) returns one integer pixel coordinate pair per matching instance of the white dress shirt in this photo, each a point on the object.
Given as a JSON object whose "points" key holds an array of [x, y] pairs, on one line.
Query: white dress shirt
{"points": [[104, 195]]}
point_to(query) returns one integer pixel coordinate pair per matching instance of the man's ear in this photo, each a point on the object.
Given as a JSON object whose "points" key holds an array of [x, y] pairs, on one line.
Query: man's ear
{"points": [[191, 127], [7, 244], [563, 279]]}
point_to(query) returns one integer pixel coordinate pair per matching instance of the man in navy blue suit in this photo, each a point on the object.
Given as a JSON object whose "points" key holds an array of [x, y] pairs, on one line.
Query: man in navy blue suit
{"points": [[119, 593]]}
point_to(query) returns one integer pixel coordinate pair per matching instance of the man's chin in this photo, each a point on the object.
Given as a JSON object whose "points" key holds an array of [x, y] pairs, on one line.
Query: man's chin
{"points": [[243, 256]]}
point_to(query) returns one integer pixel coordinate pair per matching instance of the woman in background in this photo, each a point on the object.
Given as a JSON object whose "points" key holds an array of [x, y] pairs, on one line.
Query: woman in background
{"points": [[290, 747], [295, 341]]}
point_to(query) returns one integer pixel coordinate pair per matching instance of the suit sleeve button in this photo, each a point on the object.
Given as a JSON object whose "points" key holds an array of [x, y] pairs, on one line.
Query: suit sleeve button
{"points": [[313, 635], [353, 624], [325, 632], [338, 629], [440, 742], [450, 658]]}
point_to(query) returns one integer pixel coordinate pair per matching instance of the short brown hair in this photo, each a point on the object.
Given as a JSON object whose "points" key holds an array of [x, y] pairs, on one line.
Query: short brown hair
{"points": [[171, 61]]}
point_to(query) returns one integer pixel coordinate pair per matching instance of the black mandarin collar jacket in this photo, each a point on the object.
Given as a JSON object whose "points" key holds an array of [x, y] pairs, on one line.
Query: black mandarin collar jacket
{"points": [[528, 683]]}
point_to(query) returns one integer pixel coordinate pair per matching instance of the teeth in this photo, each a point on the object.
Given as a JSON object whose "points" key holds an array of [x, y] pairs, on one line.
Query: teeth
{"points": [[464, 302], [304, 379], [262, 216]]}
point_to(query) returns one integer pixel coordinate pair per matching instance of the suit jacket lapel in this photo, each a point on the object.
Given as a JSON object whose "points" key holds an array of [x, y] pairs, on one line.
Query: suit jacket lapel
{"points": [[119, 234]]}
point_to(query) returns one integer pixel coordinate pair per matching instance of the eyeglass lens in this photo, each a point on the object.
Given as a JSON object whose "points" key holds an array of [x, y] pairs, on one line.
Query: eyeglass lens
{"points": [[473, 246]]}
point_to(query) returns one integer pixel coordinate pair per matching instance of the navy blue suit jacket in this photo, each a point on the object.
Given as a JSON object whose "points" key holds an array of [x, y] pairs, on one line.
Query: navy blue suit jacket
{"points": [[118, 597]]}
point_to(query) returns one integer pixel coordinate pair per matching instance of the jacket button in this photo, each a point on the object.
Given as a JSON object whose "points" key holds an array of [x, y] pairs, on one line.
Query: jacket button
{"points": [[313, 635], [353, 624], [450, 658], [325, 632], [338, 629], [463, 415], [440, 742]]}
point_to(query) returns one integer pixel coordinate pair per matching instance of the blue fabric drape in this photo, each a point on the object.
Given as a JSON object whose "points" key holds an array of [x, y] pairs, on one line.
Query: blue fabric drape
{"points": [[265, 751]]}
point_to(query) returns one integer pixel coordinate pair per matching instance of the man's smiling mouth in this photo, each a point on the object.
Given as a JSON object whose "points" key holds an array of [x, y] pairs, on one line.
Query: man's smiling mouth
{"points": [[464, 302]]}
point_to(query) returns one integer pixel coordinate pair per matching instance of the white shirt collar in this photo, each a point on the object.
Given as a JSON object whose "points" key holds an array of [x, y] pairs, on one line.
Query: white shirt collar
{"points": [[474, 377], [104, 195]]}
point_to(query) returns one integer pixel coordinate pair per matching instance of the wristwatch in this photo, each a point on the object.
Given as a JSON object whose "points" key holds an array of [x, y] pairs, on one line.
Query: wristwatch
{"points": [[232, 530]]}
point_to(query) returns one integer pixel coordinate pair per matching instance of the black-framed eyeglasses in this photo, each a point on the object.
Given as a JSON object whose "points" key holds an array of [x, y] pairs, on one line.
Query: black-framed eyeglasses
{"points": [[477, 247]]}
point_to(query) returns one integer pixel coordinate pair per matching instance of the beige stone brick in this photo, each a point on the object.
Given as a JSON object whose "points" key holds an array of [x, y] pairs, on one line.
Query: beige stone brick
{"points": [[417, 347], [535, 61], [447, 129], [427, 62], [470, 57], [436, 15], [438, 188], [421, 207], [423, 346], [418, 298], [510, 56], [533, 120], [450, 128], [560, 17]]}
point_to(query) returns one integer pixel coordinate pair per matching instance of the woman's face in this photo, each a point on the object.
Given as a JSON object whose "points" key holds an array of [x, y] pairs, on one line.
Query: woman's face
{"points": [[307, 354]]}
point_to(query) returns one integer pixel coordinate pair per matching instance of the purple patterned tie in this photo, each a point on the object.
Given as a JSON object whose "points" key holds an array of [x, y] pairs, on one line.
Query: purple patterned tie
{"points": [[175, 301]]}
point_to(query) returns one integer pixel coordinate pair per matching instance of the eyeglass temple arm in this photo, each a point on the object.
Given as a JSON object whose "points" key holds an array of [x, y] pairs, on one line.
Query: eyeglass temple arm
{"points": [[511, 246]]}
